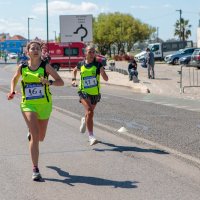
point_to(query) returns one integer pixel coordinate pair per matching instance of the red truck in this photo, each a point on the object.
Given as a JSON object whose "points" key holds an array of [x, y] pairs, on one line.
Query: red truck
{"points": [[65, 55]]}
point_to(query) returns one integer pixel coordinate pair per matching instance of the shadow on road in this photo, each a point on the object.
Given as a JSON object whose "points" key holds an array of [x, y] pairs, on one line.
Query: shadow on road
{"points": [[127, 148], [73, 179]]}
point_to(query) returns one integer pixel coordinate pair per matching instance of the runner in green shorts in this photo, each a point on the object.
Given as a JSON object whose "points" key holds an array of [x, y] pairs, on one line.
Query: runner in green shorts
{"points": [[43, 110], [36, 104], [89, 88]]}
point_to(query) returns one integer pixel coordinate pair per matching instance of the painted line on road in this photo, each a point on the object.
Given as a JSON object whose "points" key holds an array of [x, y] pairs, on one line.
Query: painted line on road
{"points": [[134, 138], [164, 148], [65, 97], [164, 103]]}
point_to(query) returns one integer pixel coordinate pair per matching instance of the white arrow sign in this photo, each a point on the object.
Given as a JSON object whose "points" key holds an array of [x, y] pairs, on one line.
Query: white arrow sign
{"points": [[76, 28]]}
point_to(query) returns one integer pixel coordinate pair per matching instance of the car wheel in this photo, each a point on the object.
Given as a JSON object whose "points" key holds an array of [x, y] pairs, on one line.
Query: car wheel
{"points": [[175, 61]]}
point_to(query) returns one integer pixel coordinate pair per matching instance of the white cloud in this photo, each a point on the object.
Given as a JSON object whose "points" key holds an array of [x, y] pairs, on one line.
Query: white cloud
{"points": [[11, 26], [19, 28], [63, 7]]}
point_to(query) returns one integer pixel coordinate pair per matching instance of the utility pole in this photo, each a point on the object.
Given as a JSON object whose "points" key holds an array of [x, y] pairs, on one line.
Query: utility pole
{"points": [[55, 35], [180, 12], [47, 21], [157, 33], [29, 28]]}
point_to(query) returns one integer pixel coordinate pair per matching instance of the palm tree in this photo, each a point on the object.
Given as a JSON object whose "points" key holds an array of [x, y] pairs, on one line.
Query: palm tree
{"points": [[182, 29]]}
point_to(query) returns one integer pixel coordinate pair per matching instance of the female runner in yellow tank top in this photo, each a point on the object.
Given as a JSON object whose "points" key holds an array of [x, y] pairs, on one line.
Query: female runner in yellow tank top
{"points": [[36, 104]]}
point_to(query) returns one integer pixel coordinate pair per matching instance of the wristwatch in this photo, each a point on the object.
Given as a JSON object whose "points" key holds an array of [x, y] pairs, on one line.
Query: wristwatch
{"points": [[50, 82]]}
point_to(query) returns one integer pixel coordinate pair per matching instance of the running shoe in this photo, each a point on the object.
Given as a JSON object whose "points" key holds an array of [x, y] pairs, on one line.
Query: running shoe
{"points": [[36, 176], [83, 125], [29, 136], [92, 140]]}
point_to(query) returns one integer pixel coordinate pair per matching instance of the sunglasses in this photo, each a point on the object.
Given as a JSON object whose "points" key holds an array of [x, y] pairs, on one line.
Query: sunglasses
{"points": [[91, 51]]}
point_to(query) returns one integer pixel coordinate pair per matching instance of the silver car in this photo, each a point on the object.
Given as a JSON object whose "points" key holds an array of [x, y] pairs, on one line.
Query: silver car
{"points": [[174, 58]]}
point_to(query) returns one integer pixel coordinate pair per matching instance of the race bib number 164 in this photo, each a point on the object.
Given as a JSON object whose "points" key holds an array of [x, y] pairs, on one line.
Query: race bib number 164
{"points": [[34, 91]]}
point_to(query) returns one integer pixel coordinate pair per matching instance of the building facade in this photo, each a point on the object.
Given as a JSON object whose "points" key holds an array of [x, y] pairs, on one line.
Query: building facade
{"points": [[14, 46]]}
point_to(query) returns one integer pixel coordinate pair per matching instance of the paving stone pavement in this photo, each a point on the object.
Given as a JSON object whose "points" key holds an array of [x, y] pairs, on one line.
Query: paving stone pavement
{"points": [[166, 82]]}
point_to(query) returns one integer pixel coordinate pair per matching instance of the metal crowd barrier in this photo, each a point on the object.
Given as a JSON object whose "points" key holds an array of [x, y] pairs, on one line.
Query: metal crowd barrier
{"points": [[189, 76]]}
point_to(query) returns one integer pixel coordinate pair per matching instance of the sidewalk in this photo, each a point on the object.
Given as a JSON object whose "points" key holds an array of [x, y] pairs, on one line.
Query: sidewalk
{"points": [[166, 80]]}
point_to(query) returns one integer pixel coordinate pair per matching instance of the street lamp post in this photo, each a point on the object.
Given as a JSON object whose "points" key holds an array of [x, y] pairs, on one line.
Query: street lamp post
{"points": [[28, 28], [47, 18], [180, 11], [55, 35]]}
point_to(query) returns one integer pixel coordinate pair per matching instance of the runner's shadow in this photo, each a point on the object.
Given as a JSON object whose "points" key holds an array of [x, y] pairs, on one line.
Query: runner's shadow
{"points": [[73, 179], [128, 148]]}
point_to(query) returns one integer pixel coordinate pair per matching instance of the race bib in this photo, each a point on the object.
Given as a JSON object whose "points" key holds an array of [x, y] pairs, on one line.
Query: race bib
{"points": [[89, 82], [34, 91]]}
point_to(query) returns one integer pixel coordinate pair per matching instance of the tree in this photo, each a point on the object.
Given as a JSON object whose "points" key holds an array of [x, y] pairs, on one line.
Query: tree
{"points": [[182, 29], [117, 31]]}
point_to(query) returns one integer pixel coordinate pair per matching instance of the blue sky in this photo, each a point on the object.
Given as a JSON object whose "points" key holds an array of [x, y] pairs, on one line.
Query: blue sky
{"points": [[161, 14]]}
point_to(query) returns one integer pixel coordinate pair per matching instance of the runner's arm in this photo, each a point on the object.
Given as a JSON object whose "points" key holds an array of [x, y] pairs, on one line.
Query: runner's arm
{"points": [[74, 73], [13, 83], [103, 74], [58, 81]]}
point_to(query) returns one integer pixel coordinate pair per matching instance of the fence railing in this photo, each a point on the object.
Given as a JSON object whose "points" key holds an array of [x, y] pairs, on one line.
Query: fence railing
{"points": [[189, 76]]}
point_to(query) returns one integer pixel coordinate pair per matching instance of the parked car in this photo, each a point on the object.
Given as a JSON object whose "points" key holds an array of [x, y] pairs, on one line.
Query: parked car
{"points": [[12, 55], [184, 60], [173, 58], [140, 57], [195, 58]]}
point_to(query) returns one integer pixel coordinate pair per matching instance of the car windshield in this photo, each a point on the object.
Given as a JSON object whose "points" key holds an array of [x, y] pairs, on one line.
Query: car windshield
{"points": [[196, 52], [150, 46], [180, 51]]}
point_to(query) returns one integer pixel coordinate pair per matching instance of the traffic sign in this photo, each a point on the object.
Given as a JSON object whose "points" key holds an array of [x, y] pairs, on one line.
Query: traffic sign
{"points": [[76, 28]]}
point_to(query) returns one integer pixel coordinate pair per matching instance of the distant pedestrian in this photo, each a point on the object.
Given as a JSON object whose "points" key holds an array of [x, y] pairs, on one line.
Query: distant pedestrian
{"points": [[23, 58], [5, 57], [89, 88], [132, 69], [36, 104], [150, 63], [45, 54]]}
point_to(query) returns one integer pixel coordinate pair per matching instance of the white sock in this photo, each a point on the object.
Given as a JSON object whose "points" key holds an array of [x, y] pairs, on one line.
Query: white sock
{"points": [[90, 133]]}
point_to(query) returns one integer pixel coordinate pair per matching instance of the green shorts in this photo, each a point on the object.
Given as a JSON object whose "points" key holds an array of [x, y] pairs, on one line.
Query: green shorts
{"points": [[43, 110]]}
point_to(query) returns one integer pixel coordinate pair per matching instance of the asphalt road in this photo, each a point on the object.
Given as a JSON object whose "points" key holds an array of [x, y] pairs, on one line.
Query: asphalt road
{"points": [[115, 168]]}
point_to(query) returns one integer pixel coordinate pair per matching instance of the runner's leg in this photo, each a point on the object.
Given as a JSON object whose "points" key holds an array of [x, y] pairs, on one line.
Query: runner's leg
{"points": [[89, 113], [42, 129], [33, 125]]}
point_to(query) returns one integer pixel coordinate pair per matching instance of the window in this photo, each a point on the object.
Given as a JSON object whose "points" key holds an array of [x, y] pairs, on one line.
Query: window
{"points": [[71, 51], [155, 48], [191, 51], [175, 46], [13, 45], [166, 47]]}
